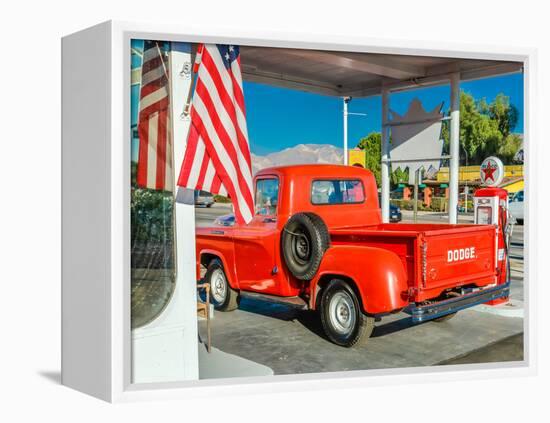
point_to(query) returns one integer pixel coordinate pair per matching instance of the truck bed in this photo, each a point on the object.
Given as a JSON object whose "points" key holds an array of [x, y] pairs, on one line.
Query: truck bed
{"points": [[436, 257]]}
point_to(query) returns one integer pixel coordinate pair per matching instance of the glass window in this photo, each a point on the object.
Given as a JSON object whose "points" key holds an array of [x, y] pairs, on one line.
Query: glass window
{"points": [[152, 254], [152, 229], [519, 196], [337, 192], [484, 215], [267, 195]]}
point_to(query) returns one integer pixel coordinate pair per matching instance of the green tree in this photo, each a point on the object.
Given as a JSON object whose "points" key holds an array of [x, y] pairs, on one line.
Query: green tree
{"points": [[509, 148], [485, 129], [399, 176], [372, 145], [503, 112]]}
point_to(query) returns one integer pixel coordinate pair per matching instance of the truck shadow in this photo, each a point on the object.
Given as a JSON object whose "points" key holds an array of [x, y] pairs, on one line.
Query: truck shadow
{"points": [[308, 319], [278, 311], [392, 327]]}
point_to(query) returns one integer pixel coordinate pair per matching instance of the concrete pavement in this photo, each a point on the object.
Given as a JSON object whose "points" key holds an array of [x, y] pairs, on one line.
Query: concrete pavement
{"points": [[292, 342], [508, 349]]}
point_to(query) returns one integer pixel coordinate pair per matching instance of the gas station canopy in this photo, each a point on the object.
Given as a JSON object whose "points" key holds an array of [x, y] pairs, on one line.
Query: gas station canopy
{"points": [[345, 74]]}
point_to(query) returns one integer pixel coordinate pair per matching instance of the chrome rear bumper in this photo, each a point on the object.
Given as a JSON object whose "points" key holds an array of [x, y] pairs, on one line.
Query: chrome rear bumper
{"points": [[441, 308]]}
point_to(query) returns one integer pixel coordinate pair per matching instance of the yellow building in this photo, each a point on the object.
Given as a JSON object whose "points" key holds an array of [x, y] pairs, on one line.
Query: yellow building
{"points": [[512, 182], [513, 185], [467, 175]]}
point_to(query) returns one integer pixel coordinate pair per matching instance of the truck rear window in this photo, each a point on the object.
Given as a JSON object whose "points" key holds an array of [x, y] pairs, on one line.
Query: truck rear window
{"points": [[337, 191]]}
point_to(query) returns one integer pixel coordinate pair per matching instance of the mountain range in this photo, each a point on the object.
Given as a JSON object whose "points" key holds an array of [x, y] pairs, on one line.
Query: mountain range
{"points": [[299, 154]]}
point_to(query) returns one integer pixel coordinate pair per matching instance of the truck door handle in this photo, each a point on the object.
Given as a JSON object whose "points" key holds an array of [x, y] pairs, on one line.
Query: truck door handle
{"points": [[217, 232]]}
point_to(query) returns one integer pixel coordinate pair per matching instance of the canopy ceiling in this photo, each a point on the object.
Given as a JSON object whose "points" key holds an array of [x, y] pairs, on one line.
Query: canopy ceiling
{"points": [[359, 74]]}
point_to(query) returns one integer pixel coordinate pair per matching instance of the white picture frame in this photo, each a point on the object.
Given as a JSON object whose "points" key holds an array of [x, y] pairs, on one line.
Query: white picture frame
{"points": [[96, 340]]}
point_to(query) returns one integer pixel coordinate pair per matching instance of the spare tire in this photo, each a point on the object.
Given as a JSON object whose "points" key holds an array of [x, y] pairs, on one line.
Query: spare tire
{"points": [[304, 240]]}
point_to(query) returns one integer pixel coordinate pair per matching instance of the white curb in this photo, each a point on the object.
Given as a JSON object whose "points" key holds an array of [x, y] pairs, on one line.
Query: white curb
{"points": [[513, 308]]}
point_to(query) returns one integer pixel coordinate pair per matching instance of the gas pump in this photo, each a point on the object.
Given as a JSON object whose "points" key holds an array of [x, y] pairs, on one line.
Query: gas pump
{"points": [[491, 208]]}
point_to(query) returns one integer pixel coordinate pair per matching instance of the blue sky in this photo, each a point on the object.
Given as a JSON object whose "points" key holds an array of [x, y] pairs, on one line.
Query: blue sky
{"points": [[279, 118]]}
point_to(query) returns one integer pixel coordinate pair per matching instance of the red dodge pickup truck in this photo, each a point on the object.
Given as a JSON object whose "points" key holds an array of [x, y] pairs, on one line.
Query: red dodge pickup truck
{"points": [[317, 242]]}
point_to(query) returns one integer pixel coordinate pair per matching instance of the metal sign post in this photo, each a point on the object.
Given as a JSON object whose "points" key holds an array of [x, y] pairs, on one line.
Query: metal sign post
{"points": [[416, 182], [385, 165], [346, 101], [416, 144], [454, 147], [346, 114]]}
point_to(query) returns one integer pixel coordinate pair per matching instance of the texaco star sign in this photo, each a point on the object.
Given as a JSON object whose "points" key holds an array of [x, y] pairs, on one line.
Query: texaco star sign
{"points": [[491, 171]]}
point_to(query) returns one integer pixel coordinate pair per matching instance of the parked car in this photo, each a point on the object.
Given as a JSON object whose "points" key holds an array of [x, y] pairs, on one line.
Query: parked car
{"points": [[203, 198], [395, 211], [225, 220], [317, 242], [516, 207]]}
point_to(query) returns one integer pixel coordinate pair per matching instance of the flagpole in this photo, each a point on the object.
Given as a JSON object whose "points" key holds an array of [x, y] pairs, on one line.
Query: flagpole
{"points": [[172, 164], [187, 109], [185, 113]]}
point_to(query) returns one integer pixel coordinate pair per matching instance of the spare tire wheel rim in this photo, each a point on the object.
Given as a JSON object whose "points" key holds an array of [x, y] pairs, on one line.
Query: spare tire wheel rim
{"points": [[218, 286], [342, 313], [301, 246]]}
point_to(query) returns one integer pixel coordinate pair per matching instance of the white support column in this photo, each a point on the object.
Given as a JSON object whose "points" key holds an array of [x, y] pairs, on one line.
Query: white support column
{"points": [[166, 349], [385, 166], [346, 101], [454, 147], [181, 60]]}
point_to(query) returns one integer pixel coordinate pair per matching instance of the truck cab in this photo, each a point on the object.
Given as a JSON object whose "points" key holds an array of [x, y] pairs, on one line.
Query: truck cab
{"points": [[317, 242]]}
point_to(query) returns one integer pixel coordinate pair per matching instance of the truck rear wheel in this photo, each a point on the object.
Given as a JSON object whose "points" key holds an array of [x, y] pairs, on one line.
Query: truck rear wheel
{"points": [[304, 240], [223, 296], [343, 321]]}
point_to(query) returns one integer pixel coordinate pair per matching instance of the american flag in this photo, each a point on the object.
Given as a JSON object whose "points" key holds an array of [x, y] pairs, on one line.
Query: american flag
{"points": [[154, 168], [217, 157]]}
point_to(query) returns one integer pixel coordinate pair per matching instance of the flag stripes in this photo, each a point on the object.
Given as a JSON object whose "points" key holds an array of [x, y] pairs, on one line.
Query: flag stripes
{"points": [[217, 157], [154, 168]]}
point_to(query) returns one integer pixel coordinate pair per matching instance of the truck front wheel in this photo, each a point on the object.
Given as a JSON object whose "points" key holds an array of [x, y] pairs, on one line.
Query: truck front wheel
{"points": [[343, 321], [223, 296]]}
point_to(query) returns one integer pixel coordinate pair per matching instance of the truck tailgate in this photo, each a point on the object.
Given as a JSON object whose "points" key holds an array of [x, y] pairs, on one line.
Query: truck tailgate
{"points": [[456, 256], [436, 257]]}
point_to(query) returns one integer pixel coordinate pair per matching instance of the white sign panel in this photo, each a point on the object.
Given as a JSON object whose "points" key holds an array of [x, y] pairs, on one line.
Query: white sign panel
{"points": [[416, 139]]}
